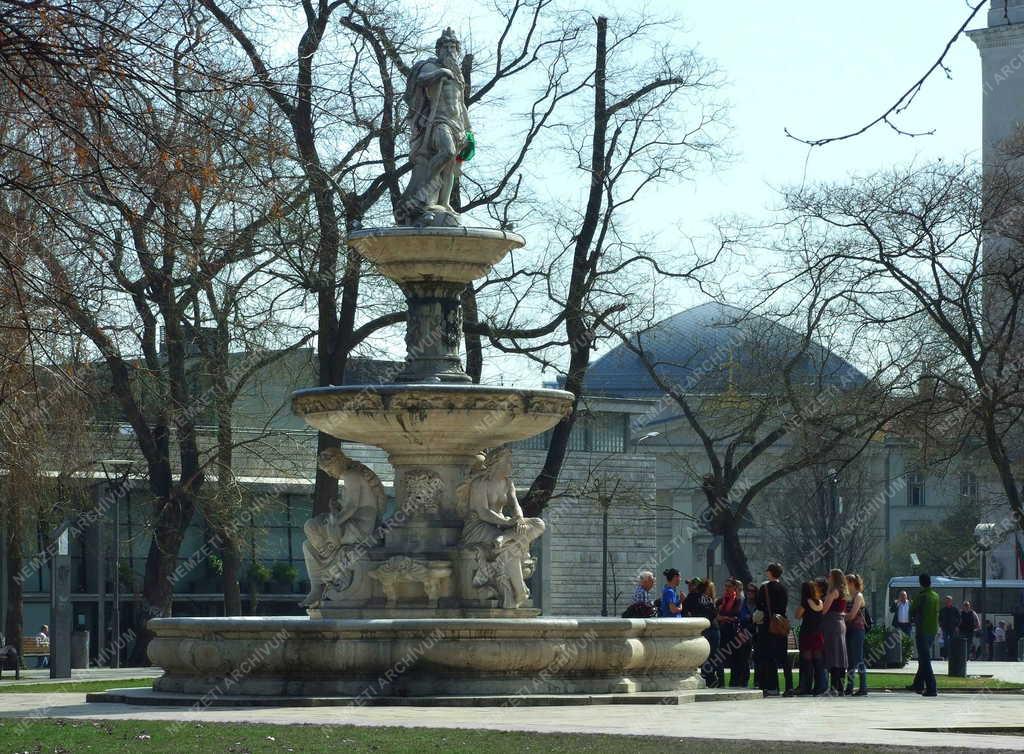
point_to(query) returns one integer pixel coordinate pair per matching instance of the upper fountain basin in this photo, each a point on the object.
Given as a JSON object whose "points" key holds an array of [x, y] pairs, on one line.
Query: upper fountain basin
{"points": [[450, 255], [437, 420]]}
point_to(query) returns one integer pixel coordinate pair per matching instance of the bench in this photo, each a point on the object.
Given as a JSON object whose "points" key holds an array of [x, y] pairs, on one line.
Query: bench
{"points": [[792, 649], [9, 661], [33, 646]]}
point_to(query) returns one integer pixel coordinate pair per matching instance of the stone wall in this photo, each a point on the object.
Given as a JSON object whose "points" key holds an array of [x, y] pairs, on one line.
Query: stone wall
{"points": [[568, 581]]}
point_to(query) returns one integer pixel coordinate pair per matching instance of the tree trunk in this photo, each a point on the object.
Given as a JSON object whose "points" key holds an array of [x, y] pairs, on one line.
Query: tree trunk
{"points": [[544, 485], [474, 344], [173, 515], [226, 499], [577, 330], [232, 566], [732, 552]]}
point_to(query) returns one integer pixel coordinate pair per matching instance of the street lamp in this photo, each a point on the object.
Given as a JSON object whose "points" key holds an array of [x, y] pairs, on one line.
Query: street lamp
{"points": [[833, 506], [115, 467], [984, 535], [605, 502], [648, 436]]}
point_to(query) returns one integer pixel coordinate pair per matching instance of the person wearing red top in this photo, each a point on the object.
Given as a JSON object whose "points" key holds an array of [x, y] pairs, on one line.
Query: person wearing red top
{"points": [[728, 627], [812, 641], [834, 629]]}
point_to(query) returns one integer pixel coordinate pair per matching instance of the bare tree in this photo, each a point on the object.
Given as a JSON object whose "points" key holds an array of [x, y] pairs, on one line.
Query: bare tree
{"points": [[778, 403], [630, 137], [931, 253], [819, 518], [158, 211], [44, 407]]}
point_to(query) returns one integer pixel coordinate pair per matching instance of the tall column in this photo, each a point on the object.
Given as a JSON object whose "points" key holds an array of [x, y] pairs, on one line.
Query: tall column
{"points": [[1001, 45]]}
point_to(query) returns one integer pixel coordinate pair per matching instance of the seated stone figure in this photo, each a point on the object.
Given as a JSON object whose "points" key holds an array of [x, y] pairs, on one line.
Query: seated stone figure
{"points": [[333, 537], [497, 529]]}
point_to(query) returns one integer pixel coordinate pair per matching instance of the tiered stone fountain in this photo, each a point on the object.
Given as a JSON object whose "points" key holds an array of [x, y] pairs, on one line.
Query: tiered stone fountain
{"points": [[427, 597]]}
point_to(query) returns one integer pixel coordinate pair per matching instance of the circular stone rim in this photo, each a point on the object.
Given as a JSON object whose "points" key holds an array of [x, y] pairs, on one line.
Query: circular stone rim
{"points": [[442, 389], [397, 627], [457, 231]]}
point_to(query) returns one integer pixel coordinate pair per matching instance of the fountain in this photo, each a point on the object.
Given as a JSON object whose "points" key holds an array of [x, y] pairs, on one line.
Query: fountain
{"points": [[428, 599]]}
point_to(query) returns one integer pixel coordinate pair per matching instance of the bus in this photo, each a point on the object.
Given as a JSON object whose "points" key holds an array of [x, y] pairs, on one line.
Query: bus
{"points": [[1003, 597]]}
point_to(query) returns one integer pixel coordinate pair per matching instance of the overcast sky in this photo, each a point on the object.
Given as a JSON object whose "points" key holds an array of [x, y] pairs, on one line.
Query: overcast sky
{"points": [[819, 69]]}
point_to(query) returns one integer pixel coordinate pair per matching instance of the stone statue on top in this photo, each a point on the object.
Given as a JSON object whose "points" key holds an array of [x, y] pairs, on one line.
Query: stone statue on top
{"points": [[439, 138]]}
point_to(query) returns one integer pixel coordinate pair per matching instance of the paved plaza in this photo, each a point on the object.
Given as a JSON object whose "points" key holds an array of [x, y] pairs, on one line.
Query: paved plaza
{"points": [[42, 675], [881, 718], [889, 719]]}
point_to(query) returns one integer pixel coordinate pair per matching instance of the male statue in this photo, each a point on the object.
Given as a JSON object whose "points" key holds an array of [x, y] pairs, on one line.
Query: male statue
{"points": [[332, 537], [439, 132]]}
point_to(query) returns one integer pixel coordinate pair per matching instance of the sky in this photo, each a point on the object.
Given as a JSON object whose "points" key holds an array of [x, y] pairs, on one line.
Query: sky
{"points": [[819, 69]]}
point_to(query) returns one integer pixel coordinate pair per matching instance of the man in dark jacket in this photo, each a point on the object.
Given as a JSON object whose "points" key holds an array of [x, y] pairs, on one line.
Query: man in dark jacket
{"points": [[771, 651], [949, 621]]}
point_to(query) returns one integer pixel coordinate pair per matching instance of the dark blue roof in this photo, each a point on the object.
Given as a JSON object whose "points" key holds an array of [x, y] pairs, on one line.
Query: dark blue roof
{"points": [[710, 347]]}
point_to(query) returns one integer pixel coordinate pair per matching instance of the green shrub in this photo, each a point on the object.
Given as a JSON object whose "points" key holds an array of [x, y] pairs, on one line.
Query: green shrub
{"points": [[285, 573], [216, 565], [875, 644], [258, 574]]}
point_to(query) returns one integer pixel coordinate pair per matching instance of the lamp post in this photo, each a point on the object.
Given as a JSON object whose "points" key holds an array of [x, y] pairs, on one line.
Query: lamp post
{"points": [[123, 467], [983, 535], [833, 486], [605, 502], [60, 604]]}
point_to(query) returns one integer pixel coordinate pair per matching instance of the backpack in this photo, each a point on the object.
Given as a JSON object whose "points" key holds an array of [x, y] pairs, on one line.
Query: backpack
{"points": [[640, 610]]}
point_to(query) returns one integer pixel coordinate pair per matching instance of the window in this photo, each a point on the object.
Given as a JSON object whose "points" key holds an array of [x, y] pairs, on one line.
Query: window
{"points": [[915, 489], [969, 486], [600, 433]]}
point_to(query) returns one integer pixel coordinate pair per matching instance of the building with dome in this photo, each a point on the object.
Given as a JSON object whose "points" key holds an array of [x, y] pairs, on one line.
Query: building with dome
{"points": [[716, 355]]}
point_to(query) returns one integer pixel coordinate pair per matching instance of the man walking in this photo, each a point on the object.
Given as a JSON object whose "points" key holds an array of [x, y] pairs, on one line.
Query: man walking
{"points": [[949, 621], [925, 609]]}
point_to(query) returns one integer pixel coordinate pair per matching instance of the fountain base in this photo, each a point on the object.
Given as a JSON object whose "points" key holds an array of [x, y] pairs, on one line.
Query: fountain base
{"points": [[425, 657]]}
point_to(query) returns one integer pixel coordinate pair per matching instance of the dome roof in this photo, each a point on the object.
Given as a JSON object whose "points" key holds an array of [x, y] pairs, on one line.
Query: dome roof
{"points": [[710, 348]]}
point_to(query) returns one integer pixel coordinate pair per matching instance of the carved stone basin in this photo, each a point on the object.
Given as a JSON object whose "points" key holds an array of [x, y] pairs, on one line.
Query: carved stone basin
{"points": [[367, 659], [435, 423], [455, 255]]}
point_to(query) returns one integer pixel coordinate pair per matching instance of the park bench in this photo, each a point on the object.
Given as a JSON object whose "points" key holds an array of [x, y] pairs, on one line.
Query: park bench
{"points": [[33, 646], [792, 649]]}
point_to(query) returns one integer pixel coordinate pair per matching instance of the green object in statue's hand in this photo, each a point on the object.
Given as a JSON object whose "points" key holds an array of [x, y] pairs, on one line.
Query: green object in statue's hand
{"points": [[469, 150]]}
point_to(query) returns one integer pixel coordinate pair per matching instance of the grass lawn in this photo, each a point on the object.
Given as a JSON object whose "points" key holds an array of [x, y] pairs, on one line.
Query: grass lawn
{"points": [[879, 680], [113, 737], [83, 687]]}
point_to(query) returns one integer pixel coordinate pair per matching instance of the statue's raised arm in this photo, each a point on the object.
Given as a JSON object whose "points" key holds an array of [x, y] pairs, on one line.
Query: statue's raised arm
{"points": [[439, 135]]}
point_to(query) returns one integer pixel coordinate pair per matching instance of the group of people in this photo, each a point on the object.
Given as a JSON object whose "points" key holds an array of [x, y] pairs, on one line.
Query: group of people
{"points": [[750, 621], [986, 641]]}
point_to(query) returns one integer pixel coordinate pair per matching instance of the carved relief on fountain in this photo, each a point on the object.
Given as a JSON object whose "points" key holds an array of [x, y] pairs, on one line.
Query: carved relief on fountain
{"points": [[423, 493], [399, 575]]}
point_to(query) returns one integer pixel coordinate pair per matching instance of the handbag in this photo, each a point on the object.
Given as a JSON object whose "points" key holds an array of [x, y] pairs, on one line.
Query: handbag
{"points": [[778, 625]]}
